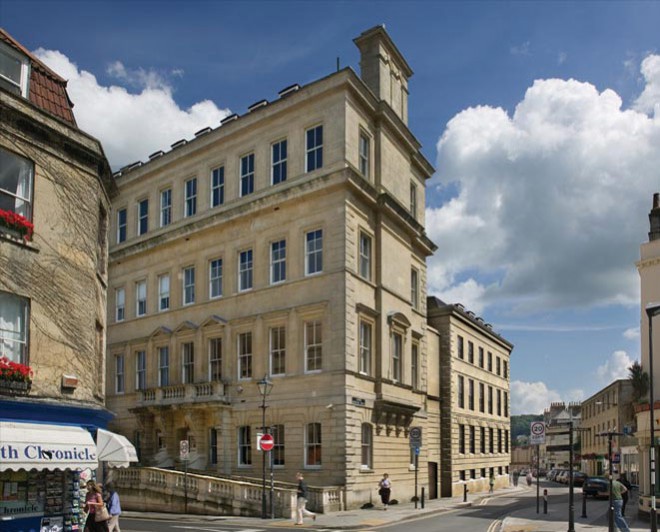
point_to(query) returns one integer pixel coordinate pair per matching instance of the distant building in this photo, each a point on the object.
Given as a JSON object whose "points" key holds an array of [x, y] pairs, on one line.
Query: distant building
{"points": [[559, 418], [474, 384]]}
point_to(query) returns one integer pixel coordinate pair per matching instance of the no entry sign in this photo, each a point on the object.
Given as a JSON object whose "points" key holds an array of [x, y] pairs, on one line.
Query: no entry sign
{"points": [[267, 442]]}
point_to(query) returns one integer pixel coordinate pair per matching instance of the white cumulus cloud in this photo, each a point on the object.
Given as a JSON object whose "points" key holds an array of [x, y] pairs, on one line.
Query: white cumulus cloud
{"points": [[130, 125], [531, 397], [632, 333], [615, 367], [551, 200]]}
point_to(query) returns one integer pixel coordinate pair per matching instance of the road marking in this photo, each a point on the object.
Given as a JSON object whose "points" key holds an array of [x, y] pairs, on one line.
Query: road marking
{"points": [[221, 529], [495, 525]]}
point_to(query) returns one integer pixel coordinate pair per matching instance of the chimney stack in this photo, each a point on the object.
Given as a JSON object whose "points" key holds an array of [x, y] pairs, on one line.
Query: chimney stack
{"points": [[654, 218]]}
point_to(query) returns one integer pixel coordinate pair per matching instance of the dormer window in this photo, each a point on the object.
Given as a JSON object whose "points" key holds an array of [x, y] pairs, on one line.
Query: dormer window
{"points": [[14, 71]]}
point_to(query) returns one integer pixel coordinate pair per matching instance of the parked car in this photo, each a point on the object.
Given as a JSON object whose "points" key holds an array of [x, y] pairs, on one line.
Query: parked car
{"points": [[579, 478], [553, 473], [562, 476], [597, 487]]}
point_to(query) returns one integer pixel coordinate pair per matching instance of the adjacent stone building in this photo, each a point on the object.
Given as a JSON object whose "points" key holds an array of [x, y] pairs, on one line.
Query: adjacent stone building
{"points": [[560, 418], [289, 242], [55, 188], [474, 384]]}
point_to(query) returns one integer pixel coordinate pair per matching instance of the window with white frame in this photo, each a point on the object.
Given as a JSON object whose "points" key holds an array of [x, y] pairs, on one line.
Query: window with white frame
{"points": [[279, 156], [215, 359], [14, 320], [190, 197], [313, 148], [364, 155], [16, 177], [245, 266], [278, 261], [215, 278], [120, 304], [217, 186], [140, 370], [164, 366], [365, 347], [244, 446], [165, 207], [397, 355], [365, 256], [367, 446], [14, 71], [278, 350], [122, 224], [163, 292], [413, 200], [414, 365], [245, 355], [142, 217], [119, 373], [189, 285], [213, 446], [313, 346], [314, 252], [247, 174], [313, 446], [188, 363], [140, 298], [414, 288], [278, 447]]}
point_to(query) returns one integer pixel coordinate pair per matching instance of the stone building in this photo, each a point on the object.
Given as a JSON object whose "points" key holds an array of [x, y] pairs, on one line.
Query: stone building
{"points": [[288, 242], [559, 418], [474, 384], [609, 410], [55, 187]]}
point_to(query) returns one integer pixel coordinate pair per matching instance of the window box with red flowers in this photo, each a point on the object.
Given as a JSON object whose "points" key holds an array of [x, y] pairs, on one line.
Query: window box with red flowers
{"points": [[15, 378], [16, 224]]}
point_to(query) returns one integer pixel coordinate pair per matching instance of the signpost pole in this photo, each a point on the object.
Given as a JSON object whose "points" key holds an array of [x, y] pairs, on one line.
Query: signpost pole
{"points": [[416, 468], [415, 444], [537, 437], [538, 476]]}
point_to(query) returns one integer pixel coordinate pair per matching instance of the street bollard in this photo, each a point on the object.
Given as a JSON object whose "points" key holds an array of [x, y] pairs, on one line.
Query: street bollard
{"points": [[584, 505], [545, 501], [423, 497], [465, 492]]}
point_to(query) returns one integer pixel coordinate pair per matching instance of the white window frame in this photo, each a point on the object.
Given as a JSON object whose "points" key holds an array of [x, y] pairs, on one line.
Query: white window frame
{"points": [[141, 298], [364, 256], [279, 437], [315, 252], [366, 446], [164, 292], [397, 356], [246, 174], [24, 82], [365, 347], [313, 347], [140, 370], [163, 365], [215, 278], [142, 217], [122, 226], [278, 261], [245, 270], [188, 286], [120, 304], [215, 359], [313, 441], [315, 150], [277, 349], [188, 362], [14, 334], [21, 194], [278, 161], [120, 382], [245, 355], [363, 155], [190, 198], [217, 185], [165, 207]]}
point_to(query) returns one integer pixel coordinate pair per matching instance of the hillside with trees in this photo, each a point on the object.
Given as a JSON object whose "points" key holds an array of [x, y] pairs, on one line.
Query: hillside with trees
{"points": [[520, 425]]}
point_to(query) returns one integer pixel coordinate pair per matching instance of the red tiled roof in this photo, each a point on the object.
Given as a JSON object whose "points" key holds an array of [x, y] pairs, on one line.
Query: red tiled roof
{"points": [[47, 89]]}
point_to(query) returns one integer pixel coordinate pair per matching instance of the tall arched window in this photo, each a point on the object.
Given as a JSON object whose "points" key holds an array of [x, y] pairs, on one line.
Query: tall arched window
{"points": [[367, 446]]}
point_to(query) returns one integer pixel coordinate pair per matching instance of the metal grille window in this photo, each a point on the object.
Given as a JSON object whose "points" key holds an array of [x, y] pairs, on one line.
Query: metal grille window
{"points": [[164, 366], [166, 207], [218, 186], [141, 298], [313, 346], [365, 348], [14, 320], [244, 446], [16, 177], [278, 261], [278, 448], [313, 445], [143, 217], [245, 270], [277, 351], [190, 203], [163, 292], [140, 370], [215, 278], [188, 363], [122, 222], [279, 155], [245, 355], [461, 392], [364, 155], [314, 148], [120, 304], [365, 256], [314, 252], [247, 174], [189, 285], [367, 446], [119, 373], [215, 359]]}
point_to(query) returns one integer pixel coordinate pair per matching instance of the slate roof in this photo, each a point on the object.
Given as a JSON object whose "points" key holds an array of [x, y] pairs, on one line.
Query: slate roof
{"points": [[47, 89]]}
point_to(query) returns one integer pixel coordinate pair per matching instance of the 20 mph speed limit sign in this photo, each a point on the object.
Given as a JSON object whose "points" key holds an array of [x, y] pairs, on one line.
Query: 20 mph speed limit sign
{"points": [[537, 432]]}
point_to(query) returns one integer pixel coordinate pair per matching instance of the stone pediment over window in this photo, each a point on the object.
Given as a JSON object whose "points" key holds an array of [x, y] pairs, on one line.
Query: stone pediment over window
{"points": [[214, 320], [186, 326], [161, 331], [393, 416], [397, 318]]}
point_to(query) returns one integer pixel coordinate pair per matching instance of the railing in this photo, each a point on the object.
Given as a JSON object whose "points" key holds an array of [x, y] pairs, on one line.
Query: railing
{"points": [[163, 490], [184, 393]]}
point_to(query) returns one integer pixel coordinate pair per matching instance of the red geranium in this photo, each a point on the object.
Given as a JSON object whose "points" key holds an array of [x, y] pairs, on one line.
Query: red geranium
{"points": [[21, 224], [13, 371]]}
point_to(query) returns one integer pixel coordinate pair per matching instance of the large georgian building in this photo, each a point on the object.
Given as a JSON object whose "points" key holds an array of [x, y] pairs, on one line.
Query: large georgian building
{"points": [[289, 242], [474, 387]]}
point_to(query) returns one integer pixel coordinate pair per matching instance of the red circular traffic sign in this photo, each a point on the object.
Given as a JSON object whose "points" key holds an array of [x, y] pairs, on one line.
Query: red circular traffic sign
{"points": [[267, 442]]}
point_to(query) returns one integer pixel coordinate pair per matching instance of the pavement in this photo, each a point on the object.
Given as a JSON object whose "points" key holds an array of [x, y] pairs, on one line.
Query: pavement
{"points": [[527, 520]]}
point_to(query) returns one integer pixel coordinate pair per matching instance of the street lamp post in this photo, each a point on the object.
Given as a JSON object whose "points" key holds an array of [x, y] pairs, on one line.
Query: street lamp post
{"points": [[610, 511], [265, 387], [652, 310]]}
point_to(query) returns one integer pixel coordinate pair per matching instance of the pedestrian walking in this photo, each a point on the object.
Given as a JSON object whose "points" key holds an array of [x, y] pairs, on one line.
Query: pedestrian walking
{"points": [[94, 504], [385, 490], [114, 508], [516, 476], [302, 494], [529, 478], [491, 482], [618, 490], [624, 480]]}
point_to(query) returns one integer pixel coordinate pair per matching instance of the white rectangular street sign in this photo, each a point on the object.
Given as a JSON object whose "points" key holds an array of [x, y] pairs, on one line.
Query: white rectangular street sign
{"points": [[536, 432]]}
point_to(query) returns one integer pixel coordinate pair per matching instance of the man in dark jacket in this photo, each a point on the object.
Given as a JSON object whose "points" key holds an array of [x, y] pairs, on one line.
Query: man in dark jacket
{"points": [[302, 494], [624, 480]]}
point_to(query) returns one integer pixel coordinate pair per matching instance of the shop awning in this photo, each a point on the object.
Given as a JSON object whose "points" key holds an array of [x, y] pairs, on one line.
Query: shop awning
{"points": [[114, 449], [45, 447]]}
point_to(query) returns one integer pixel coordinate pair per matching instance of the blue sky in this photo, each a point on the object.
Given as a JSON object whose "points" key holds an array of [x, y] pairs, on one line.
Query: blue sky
{"points": [[542, 119]]}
